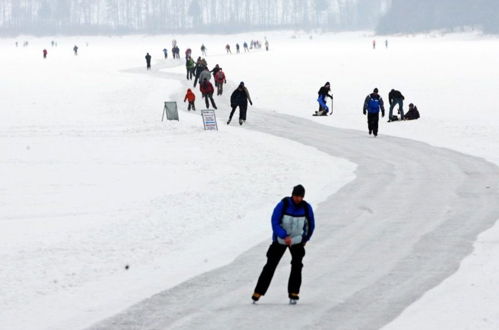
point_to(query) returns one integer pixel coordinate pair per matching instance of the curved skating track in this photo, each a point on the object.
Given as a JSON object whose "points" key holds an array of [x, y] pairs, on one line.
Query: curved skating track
{"points": [[400, 228]]}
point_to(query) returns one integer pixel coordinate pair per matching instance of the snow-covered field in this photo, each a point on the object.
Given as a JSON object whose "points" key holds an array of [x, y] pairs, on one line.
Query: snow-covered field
{"points": [[93, 181]]}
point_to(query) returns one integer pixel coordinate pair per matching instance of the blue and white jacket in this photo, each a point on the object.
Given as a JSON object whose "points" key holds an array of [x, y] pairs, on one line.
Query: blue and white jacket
{"points": [[296, 221]]}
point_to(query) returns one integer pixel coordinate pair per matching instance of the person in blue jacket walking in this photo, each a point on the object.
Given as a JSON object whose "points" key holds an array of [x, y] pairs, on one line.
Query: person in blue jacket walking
{"points": [[372, 106], [293, 224]]}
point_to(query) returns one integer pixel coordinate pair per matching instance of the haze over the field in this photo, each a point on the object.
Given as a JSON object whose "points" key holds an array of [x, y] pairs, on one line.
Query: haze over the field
{"points": [[46, 17]]}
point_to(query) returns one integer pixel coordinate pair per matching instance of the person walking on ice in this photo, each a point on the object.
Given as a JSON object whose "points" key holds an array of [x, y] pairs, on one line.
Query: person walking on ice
{"points": [[293, 224], [372, 105], [148, 61], [240, 98]]}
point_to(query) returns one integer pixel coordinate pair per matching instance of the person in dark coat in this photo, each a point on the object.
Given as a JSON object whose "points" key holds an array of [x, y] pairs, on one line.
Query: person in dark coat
{"points": [[207, 90], [372, 106], [45, 52], [240, 98], [323, 94], [198, 69], [396, 98], [413, 113], [293, 224], [148, 61]]}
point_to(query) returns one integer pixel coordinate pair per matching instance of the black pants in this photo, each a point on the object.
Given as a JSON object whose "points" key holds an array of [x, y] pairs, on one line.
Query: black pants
{"points": [[243, 108], [191, 106], [196, 78], [207, 98], [220, 88], [274, 255], [148, 65], [372, 122]]}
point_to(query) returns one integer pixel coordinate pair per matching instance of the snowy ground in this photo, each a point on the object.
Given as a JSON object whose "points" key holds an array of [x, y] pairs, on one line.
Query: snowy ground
{"points": [[90, 174], [92, 181]]}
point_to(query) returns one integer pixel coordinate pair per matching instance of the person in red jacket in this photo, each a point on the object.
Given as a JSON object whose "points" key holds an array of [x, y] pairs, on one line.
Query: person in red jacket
{"points": [[207, 90], [220, 80], [191, 97], [45, 52]]}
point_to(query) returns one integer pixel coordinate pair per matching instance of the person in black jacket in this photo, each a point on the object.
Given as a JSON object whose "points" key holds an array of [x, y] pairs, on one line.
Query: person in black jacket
{"points": [[240, 98], [323, 93], [197, 70], [395, 97], [413, 113], [148, 61]]}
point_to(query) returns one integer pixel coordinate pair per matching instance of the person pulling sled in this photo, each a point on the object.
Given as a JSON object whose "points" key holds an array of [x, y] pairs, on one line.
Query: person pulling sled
{"points": [[323, 94]]}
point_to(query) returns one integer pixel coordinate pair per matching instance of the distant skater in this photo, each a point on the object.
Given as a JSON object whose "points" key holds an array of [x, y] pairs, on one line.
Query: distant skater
{"points": [[148, 61], [45, 52], [75, 50], [203, 50], [374, 44], [165, 52]]}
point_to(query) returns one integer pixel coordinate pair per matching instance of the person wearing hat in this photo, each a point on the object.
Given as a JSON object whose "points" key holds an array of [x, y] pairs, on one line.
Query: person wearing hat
{"points": [[323, 93], [240, 98], [293, 224], [372, 106]]}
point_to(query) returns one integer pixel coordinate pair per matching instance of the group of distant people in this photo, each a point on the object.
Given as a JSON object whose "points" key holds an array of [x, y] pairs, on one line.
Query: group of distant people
{"points": [[200, 72], [374, 43], [45, 52], [254, 44]]}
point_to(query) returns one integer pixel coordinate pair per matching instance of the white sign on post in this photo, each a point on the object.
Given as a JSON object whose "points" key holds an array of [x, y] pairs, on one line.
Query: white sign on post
{"points": [[209, 120]]}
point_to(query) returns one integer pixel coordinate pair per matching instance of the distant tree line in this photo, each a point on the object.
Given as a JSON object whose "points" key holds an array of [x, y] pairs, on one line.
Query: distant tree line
{"points": [[406, 16], [158, 16]]}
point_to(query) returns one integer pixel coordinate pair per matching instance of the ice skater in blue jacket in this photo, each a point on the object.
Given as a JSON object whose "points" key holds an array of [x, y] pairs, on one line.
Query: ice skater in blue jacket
{"points": [[293, 224]]}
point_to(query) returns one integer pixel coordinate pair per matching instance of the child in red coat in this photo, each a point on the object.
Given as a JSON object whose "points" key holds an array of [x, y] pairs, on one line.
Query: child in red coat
{"points": [[191, 97]]}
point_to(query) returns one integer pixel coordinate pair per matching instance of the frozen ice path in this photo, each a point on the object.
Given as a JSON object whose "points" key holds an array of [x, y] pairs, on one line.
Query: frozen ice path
{"points": [[399, 229]]}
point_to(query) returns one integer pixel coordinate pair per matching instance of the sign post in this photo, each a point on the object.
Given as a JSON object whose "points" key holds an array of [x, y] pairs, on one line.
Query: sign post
{"points": [[209, 120], [171, 111]]}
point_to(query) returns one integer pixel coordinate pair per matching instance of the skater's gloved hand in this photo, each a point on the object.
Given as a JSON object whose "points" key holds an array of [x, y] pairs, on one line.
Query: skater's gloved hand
{"points": [[382, 114], [364, 111], [251, 103], [288, 240]]}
